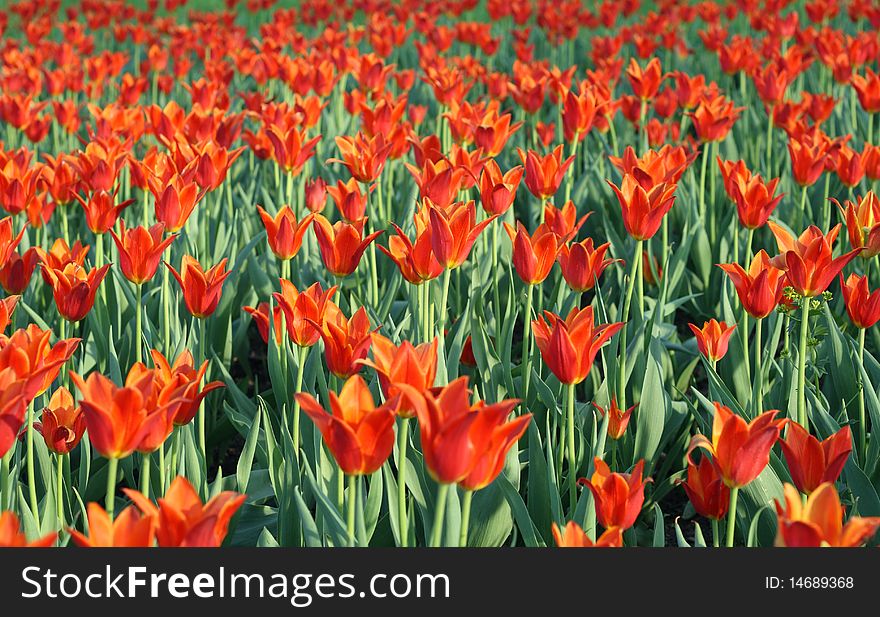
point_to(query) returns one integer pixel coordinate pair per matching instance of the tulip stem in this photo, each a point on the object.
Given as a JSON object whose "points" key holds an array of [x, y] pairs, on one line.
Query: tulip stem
{"points": [[138, 323], [300, 371], [731, 515], [527, 345], [802, 363], [863, 429], [624, 317], [162, 467], [285, 269], [716, 539], [495, 282], [352, 502], [769, 144], [145, 474], [745, 337], [759, 369], [441, 317], [5, 493], [439, 513], [643, 132], [403, 441], [705, 158], [203, 330], [572, 461], [570, 173], [109, 500], [32, 485], [59, 489], [465, 518], [166, 311], [803, 206]]}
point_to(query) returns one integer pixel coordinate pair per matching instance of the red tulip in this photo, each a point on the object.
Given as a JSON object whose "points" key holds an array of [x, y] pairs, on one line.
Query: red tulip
{"points": [[863, 223], [284, 233], [414, 366], [63, 423], [643, 204], [760, 288], [346, 341], [544, 174], [618, 419], [862, 305], [12, 537], [140, 250], [572, 536], [497, 190], [16, 274], [706, 489], [712, 338], [807, 260], [454, 231], [819, 521], [812, 462], [619, 496], [305, 311], [533, 256], [74, 289], [582, 265], [645, 82], [129, 529], [342, 244], [201, 289]]}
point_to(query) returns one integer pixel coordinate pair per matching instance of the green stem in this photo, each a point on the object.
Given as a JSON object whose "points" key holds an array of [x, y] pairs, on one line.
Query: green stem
{"points": [[402, 443], [465, 518], [527, 345], [624, 317], [744, 332], [643, 130], [163, 470], [731, 515], [803, 206], [802, 363], [300, 371], [495, 280], [570, 173], [32, 485], [439, 514], [5, 494], [863, 428], [748, 256], [110, 499], [352, 502], [166, 311], [138, 323], [769, 144], [340, 487], [202, 356], [706, 155], [716, 534], [572, 459], [145, 474], [759, 369], [59, 489]]}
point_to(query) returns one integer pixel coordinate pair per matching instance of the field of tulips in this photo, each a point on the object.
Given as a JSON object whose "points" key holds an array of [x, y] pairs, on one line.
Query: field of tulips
{"points": [[439, 273]]}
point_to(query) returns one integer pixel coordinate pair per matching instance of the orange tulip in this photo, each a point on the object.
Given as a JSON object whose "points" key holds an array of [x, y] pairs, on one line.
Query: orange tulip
{"points": [[12, 537], [564, 221], [618, 419], [316, 194], [582, 265], [130, 529], [290, 148], [454, 231], [572, 536], [464, 443], [712, 338], [569, 346], [74, 289], [706, 489], [16, 275], [819, 522], [643, 204], [414, 366], [415, 260], [32, 358], [863, 223], [61, 254], [101, 211], [807, 160], [364, 158], [358, 434], [714, 117], [7, 308], [667, 164], [645, 82], [179, 385], [349, 200], [175, 201], [140, 250], [8, 239], [619, 496], [305, 312], [182, 520], [63, 423], [201, 289], [807, 260], [867, 89], [284, 234], [342, 244], [533, 256], [260, 315], [862, 304], [346, 341], [117, 418], [578, 113], [497, 190], [812, 462], [760, 288], [544, 174], [740, 450]]}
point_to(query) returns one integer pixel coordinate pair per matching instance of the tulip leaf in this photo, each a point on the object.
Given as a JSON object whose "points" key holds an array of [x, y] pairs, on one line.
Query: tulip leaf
{"points": [[520, 513], [652, 410], [659, 529], [246, 460]]}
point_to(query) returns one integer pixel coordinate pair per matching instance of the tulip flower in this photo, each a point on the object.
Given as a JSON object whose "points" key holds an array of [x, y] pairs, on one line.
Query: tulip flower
{"points": [[182, 381], [714, 117], [440, 181], [413, 365], [305, 311], [201, 289], [863, 223], [497, 190], [850, 166], [346, 341], [284, 233], [130, 529], [643, 204], [740, 451], [316, 195], [564, 221], [462, 442], [74, 289], [101, 211], [63, 423], [755, 201], [572, 536], [183, 520], [260, 315], [645, 82], [812, 462], [176, 199], [807, 260], [365, 158], [29, 353], [414, 259], [350, 201], [61, 254], [862, 304], [16, 274], [582, 264], [618, 496], [819, 521], [533, 256], [342, 244], [569, 346], [544, 174], [140, 250], [11, 535], [290, 148], [454, 231], [618, 419], [712, 339], [807, 161], [706, 490], [760, 288], [7, 308], [667, 164], [8, 239], [867, 89]]}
